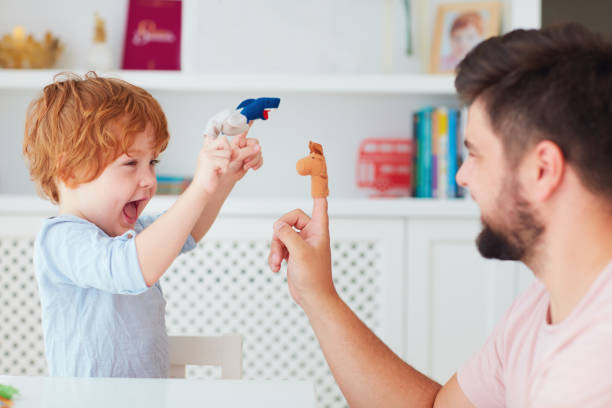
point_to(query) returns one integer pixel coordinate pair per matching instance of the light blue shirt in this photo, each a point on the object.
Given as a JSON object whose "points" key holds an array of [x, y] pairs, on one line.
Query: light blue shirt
{"points": [[99, 317]]}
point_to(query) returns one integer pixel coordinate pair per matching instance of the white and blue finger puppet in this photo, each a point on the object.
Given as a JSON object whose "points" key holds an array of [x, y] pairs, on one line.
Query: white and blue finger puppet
{"points": [[234, 122]]}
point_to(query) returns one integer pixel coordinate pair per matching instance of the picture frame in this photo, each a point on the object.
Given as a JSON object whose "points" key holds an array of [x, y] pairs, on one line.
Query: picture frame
{"points": [[458, 28]]}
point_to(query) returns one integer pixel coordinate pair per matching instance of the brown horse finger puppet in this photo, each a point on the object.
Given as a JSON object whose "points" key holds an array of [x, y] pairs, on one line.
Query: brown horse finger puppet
{"points": [[314, 165]]}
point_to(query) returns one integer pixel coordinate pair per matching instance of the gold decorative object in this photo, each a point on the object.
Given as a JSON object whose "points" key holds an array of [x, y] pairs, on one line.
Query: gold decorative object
{"points": [[99, 30], [20, 51]]}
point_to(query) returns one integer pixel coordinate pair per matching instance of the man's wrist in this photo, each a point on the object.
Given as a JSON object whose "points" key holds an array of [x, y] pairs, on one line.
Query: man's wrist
{"points": [[320, 303]]}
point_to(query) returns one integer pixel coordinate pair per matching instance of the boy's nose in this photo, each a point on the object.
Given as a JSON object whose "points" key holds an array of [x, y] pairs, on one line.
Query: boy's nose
{"points": [[148, 179]]}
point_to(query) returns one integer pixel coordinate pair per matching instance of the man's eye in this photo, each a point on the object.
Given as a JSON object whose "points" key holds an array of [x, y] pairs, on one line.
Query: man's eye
{"points": [[154, 162]]}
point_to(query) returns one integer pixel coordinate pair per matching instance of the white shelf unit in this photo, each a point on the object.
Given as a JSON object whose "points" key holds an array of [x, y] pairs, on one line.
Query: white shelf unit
{"points": [[200, 82], [341, 109], [274, 207]]}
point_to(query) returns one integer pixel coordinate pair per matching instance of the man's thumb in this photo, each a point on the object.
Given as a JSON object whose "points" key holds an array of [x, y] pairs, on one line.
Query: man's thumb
{"points": [[288, 236]]}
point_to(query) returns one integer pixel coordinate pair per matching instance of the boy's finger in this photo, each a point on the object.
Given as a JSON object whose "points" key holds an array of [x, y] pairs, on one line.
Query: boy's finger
{"points": [[246, 152], [251, 141], [220, 163], [224, 142], [254, 164], [258, 165], [209, 139], [240, 140], [225, 154]]}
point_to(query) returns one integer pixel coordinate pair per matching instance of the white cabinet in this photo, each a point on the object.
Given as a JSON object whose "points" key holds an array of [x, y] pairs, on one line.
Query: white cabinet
{"points": [[454, 297]]}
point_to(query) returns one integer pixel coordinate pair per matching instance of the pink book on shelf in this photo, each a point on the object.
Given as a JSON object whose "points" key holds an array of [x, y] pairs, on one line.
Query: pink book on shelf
{"points": [[153, 35]]}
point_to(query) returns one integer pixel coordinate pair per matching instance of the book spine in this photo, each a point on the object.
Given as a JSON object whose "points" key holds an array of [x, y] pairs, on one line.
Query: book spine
{"points": [[442, 152], [416, 158], [426, 156], [435, 145], [452, 153]]}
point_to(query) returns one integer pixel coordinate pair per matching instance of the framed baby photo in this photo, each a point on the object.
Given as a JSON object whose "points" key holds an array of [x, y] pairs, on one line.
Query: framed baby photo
{"points": [[458, 28]]}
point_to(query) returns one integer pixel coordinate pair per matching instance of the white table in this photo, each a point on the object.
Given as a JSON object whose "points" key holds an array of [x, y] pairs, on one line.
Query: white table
{"points": [[55, 392]]}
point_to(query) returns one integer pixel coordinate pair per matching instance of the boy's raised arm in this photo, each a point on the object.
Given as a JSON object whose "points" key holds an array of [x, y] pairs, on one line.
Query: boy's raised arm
{"points": [[159, 244]]}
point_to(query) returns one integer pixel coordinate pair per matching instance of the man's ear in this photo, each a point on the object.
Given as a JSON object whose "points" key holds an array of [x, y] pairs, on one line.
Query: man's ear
{"points": [[546, 169]]}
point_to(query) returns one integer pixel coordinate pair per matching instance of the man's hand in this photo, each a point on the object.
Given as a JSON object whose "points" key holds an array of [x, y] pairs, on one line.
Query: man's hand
{"points": [[307, 253]]}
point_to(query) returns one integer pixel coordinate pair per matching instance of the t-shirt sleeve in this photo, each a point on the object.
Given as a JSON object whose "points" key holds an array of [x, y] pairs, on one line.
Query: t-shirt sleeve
{"points": [[145, 220], [578, 375], [481, 378], [82, 255]]}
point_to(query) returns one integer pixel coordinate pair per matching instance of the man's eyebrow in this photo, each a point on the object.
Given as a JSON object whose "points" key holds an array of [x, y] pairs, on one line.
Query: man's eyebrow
{"points": [[469, 145]]}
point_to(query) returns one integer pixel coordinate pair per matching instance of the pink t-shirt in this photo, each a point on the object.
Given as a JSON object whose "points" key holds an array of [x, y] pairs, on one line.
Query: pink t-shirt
{"points": [[529, 363]]}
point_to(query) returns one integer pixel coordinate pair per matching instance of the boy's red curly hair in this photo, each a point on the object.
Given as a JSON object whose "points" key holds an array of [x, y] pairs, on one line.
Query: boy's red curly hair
{"points": [[79, 125]]}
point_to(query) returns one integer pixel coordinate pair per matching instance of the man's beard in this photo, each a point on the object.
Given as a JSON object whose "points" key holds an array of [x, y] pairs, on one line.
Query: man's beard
{"points": [[517, 241]]}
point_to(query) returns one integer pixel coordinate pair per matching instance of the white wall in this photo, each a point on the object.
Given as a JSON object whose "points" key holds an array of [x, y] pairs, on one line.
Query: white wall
{"points": [[239, 36]]}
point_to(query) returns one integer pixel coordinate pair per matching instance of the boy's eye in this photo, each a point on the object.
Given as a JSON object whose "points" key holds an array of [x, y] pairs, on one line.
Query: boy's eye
{"points": [[131, 163], [154, 162]]}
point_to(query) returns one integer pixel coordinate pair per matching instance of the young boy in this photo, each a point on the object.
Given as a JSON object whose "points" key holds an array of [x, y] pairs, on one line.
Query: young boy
{"points": [[91, 145]]}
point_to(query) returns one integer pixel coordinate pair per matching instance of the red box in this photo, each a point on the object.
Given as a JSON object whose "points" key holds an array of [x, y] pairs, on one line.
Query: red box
{"points": [[153, 35], [386, 166]]}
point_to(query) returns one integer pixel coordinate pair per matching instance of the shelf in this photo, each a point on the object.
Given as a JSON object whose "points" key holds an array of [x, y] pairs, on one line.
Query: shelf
{"points": [[198, 82], [242, 207]]}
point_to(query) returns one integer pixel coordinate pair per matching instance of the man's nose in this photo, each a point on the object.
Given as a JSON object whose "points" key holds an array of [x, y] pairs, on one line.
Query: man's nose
{"points": [[461, 176]]}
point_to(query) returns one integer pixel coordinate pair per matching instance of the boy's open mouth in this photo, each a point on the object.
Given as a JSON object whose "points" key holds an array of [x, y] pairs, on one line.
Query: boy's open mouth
{"points": [[130, 211]]}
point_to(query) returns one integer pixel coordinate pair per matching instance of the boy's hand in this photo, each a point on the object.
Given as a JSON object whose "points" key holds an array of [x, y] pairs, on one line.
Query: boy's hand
{"points": [[246, 154], [213, 162]]}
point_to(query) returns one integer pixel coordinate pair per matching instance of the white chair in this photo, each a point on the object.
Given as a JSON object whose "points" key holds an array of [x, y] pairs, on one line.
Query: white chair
{"points": [[224, 351]]}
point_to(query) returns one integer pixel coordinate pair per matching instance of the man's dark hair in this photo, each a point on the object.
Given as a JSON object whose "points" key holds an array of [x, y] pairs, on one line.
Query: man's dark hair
{"points": [[550, 84]]}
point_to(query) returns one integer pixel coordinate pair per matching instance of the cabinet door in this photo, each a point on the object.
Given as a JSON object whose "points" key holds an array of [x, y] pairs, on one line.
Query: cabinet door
{"points": [[454, 296], [21, 336]]}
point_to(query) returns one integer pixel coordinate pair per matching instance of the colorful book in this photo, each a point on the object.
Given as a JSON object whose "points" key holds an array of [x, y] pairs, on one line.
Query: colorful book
{"points": [[453, 140], [424, 139], [442, 152], [435, 147], [416, 166], [153, 35]]}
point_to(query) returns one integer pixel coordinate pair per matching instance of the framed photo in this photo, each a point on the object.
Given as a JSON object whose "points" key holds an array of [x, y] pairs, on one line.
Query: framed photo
{"points": [[459, 27]]}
